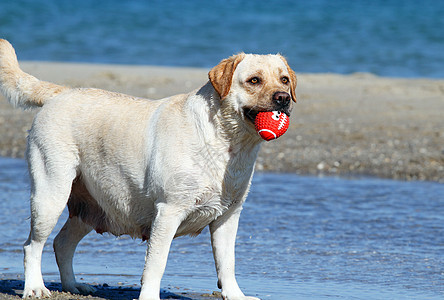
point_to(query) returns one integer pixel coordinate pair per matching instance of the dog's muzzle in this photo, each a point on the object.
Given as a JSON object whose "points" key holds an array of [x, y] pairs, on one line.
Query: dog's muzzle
{"points": [[281, 100]]}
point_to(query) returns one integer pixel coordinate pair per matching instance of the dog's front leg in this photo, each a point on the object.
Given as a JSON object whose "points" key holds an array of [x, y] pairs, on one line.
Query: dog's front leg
{"points": [[223, 239], [163, 229]]}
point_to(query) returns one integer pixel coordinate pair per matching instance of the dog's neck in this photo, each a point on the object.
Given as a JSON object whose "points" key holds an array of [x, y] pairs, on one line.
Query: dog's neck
{"points": [[220, 121], [221, 131]]}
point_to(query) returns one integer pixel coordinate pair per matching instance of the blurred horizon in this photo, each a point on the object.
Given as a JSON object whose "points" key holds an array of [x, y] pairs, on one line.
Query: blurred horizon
{"points": [[388, 38]]}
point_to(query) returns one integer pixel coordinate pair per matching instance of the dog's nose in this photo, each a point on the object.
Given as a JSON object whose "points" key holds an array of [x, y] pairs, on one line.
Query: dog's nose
{"points": [[282, 99]]}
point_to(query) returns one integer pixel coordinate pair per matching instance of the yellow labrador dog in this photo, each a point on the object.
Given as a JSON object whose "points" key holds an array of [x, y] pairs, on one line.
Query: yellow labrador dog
{"points": [[154, 170]]}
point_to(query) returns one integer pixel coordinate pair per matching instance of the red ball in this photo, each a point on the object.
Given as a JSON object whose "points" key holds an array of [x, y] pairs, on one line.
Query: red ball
{"points": [[271, 124]]}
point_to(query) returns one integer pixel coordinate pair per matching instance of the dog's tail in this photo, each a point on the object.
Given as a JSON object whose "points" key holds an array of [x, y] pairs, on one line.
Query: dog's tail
{"points": [[21, 89]]}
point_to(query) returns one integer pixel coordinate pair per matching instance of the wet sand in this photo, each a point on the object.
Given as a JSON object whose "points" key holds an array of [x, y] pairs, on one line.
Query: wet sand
{"points": [[345, 125], [13, 289], [342, 125]]}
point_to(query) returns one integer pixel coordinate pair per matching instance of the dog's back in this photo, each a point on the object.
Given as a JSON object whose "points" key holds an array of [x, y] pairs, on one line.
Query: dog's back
{"points": [[151, 169]]}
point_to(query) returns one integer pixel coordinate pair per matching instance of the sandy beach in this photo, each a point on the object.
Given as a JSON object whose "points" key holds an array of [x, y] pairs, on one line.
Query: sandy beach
{"points": [[13, 289], [345, 125]]}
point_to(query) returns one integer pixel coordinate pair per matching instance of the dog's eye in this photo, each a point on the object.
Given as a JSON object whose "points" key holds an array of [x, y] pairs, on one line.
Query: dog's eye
{"points": [[254, 80], [285, 80]]}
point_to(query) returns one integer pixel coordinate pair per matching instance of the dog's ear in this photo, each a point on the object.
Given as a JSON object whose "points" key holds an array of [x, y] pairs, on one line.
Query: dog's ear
{"points": [[293, 79], [221, 75]]}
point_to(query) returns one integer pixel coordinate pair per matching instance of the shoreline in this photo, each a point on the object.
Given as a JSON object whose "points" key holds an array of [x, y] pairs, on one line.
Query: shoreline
{"points": [[342, 125], [13, 289]]}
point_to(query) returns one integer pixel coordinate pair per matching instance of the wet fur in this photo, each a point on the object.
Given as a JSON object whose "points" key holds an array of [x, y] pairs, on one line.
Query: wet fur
{"points": [[152, 169]]}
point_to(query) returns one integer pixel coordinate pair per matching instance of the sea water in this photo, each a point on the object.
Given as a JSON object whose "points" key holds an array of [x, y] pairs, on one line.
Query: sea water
{"points": [[401, 38], [299, 238]]}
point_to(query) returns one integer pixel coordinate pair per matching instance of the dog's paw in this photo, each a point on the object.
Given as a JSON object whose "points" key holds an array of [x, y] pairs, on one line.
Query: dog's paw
{"points": [[239, 298], [36, 292], [85, 288], [79, 288]]}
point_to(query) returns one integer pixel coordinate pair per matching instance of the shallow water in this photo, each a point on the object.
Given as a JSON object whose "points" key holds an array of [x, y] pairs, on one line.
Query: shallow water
{"points": [[299, 238]]}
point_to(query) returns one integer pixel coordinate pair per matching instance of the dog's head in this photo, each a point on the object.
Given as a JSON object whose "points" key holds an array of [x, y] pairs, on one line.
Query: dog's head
{"points": [[255, 83]]}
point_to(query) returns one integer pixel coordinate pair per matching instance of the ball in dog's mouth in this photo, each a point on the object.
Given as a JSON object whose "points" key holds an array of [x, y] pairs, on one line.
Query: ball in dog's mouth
{"points": [[271, 124]]}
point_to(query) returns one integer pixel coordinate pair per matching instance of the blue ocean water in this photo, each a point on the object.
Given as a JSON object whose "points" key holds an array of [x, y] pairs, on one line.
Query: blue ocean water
{"points": [[299, 238], [400, 38]]}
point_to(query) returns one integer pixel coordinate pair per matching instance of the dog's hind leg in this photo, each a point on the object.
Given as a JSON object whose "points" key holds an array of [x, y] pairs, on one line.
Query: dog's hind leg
{"points": [[51, 180], [65, 245]]}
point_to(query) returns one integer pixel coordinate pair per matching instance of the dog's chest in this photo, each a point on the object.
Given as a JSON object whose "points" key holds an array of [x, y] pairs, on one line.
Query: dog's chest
{"points": [[207, 208], [217, 199]]}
